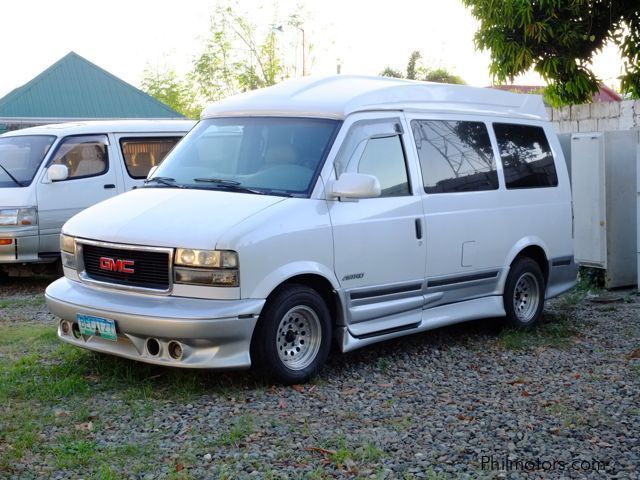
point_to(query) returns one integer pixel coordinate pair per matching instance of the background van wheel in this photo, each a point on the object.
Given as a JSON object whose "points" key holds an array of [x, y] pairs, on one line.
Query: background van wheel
{"points": [[293, 335], [524, 293]]}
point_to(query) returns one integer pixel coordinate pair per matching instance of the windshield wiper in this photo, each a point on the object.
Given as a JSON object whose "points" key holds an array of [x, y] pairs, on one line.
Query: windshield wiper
{"points": [[221, 181], [229, 184], [168, 181], [11, 176]]}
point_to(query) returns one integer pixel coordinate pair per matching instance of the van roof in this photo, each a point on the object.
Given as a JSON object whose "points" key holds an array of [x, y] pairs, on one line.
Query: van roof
{"points": [[337, 96], [106, 126]]}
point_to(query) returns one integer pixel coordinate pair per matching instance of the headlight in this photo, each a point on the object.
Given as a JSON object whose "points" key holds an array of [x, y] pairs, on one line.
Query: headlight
{"points": [[68, 251], [67, 243], [206, 267], [206, 258], [19, 216]]}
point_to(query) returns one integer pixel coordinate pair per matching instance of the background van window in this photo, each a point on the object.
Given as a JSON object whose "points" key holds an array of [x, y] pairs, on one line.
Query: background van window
{"points": [[140, 154]]}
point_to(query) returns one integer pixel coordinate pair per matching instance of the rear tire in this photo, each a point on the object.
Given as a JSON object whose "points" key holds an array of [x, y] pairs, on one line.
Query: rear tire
{"points": [[293, 335], [524, 293]]}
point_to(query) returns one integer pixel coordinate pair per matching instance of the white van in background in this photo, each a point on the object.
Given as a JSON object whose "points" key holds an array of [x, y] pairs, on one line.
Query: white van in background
{"points": [[50, 173], [353, 209]]}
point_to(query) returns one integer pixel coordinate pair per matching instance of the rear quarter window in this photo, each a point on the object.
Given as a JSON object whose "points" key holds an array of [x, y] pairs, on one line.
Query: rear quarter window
{"points": [[455, 156], [526, 156]]}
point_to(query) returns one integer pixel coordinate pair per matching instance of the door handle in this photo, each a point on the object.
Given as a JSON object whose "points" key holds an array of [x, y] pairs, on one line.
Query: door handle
{"points": [[418, 229], [109, 185]]}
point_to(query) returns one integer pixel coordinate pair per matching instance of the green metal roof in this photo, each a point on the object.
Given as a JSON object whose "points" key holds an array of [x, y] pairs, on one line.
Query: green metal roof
{"points": [[75, 88]]}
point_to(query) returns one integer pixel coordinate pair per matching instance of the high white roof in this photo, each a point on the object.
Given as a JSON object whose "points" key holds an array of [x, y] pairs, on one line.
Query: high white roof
{"points": [[106, 126], [337, 96]]}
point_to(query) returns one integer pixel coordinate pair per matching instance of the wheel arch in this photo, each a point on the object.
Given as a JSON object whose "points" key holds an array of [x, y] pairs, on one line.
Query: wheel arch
{"points": [[533, 248], [537, 254], [321, 285]]}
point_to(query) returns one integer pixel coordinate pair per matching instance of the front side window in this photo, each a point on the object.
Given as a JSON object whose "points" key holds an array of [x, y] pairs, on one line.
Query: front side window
{"points": [[455, 156], [279, 156], [374, 147], [384, 159], [84, 156], [526, 156], [20, 157], [140, 154]]}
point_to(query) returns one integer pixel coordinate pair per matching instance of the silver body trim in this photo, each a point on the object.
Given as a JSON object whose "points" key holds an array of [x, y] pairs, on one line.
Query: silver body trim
{"points": [[374, 310], [432, 318]]}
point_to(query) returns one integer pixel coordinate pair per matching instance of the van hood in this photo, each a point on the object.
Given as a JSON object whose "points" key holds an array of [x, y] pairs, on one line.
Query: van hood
{"points": [[18, 196], [167, 217]]}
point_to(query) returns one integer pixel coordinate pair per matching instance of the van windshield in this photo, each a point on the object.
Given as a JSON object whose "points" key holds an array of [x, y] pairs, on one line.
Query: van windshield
{"points": [[20, 157], [265, 155]]}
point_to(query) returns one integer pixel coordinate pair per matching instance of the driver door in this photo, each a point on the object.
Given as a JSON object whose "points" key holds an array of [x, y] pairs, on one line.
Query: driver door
{"points": [[92, 177], [379, 249]]}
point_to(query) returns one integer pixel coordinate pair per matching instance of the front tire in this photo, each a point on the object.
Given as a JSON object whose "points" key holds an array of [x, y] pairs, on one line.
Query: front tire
{"points": [[524, 294], [293, 335]]}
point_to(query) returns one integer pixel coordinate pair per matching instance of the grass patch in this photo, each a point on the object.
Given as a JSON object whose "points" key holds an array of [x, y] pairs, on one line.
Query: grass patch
{"points": [[345, 453], [382, 365], [74, 453], [19, 340], [556, 334], [45, 385], [35, 378], [34, 364], [21, 302], [568, 415], [241, 428], [590, 280], [19, 432]]}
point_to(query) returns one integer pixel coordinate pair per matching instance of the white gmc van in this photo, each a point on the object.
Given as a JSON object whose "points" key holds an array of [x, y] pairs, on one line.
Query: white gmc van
{"points": [[50, 173], [344, 208]]}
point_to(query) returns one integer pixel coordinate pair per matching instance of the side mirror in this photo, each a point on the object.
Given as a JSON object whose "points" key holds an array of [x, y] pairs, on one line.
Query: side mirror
{"points": [[56, 173], [355, 185], [152, 170]]}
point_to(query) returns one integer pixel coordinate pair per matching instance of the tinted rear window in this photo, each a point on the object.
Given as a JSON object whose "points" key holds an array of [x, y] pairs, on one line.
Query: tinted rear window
{"points": [[455, 156], [526, 156]]}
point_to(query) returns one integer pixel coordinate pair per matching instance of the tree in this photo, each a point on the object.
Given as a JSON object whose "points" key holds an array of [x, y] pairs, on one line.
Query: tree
{"points": [[416, 71], [165, 85], [236, 57], [441, 75], [558, 39], [391, 72]]}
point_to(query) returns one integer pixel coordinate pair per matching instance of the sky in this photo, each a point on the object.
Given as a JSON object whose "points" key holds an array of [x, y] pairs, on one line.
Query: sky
{"points": [[125, 36]]}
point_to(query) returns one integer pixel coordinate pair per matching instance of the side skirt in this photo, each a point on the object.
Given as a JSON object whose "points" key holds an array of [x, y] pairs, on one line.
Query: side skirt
{"points": [[486, 307]]}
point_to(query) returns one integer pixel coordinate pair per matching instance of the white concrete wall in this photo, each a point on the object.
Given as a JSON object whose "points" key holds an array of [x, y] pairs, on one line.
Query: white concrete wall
{"points": [[596, 117]]}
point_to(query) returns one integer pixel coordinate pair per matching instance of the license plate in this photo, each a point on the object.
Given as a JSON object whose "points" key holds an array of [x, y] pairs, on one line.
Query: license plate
{"points": [[97, 327]]}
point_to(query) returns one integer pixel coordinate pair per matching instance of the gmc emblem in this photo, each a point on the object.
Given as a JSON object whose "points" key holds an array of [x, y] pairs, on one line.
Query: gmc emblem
{"points": [[113, 265]]}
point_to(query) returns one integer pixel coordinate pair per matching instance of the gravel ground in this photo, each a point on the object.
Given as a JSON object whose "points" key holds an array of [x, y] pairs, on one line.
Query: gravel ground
{"points": [[470, 401]]}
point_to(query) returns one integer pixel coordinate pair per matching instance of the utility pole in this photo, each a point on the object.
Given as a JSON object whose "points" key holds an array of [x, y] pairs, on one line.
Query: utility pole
{"points": [[280, 28]]}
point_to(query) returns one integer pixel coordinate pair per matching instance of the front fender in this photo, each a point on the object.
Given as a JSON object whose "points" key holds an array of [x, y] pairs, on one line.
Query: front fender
{"points": [[283, 273]]}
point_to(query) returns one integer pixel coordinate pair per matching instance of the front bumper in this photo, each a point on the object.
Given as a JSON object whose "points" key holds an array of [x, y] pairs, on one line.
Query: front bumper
{"points": [[23, 248], [212, 333]]}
